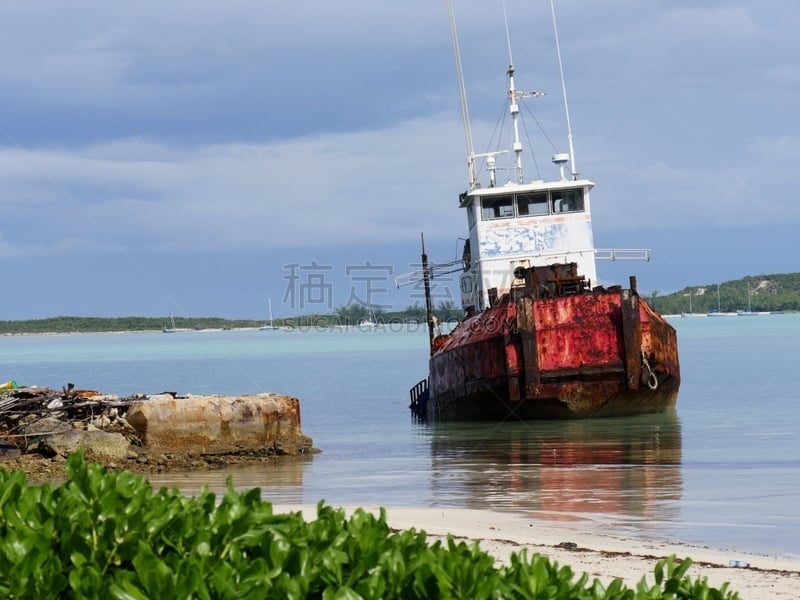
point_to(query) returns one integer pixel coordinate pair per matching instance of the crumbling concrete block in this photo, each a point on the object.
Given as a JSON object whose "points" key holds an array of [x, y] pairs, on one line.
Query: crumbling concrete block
{"points": [[218, 424]]}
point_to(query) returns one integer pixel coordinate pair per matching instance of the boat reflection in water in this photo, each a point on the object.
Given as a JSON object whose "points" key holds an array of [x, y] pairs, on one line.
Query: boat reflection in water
{"points": [[622, 469]]}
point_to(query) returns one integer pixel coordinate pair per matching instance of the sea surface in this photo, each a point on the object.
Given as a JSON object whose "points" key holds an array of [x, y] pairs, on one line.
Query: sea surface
{"points": [[723, 470]]}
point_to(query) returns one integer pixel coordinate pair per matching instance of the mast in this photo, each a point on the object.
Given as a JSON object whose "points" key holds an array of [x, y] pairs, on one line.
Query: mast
{"points": [[514, 108], [513, 96], [426, 278]]}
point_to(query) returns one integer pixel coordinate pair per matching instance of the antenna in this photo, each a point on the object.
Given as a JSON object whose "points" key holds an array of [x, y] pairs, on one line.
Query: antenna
{"points": [[564, 93], [508, 34], [462, 94], [512, 98]]}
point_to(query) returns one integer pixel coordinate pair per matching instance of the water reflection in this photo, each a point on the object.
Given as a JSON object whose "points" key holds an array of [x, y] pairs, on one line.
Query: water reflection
{"points": [[627, 469], [623, 471], [280, 476]]}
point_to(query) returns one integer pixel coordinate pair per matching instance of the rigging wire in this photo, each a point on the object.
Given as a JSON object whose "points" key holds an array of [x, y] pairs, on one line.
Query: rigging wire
{"points": [[532, 147], [542, 130]]}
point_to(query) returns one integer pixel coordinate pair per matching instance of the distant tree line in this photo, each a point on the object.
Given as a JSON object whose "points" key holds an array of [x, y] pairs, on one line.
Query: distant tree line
{"points": [[109, 324], [344, 315], [772, 293]]}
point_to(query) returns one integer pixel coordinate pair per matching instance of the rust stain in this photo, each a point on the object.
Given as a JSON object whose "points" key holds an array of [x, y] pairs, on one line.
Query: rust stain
{"points": [[555, 349]]}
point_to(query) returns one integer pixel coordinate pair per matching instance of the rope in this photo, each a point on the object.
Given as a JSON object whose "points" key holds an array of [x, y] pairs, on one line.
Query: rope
{"points": [[652, 379]]}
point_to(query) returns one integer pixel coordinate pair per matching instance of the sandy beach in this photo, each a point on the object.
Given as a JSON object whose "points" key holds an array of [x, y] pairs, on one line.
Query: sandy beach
{"points": [[602, 556]]}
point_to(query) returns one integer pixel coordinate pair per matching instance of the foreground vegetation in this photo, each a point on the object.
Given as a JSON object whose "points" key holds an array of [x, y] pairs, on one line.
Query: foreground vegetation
{"points": [[109, 535]]}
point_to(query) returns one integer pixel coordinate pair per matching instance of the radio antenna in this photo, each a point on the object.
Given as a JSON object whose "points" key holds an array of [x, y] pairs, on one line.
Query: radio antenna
{"points": [[508, 34], [462, 94], [573, 167]]}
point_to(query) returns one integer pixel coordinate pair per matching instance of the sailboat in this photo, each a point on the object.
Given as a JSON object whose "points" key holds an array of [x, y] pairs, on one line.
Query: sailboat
{"points": [[691, 313], [749, 312], [718, 312], [368, 322], [539, 338], [171, 327], [268, 326]]}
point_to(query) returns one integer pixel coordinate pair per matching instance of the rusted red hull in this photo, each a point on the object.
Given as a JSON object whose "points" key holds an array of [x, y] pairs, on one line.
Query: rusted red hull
{"points": [[605, 353]]}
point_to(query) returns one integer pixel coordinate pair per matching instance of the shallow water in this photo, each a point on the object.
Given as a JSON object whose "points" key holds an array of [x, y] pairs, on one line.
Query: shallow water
{"points": [[724, 470]]}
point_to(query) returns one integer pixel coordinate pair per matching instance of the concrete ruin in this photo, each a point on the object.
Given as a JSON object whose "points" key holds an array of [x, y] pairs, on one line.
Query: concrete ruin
{"points": [[58, 423]]}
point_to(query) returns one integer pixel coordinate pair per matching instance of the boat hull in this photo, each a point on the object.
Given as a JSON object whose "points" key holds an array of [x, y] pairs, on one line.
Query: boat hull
{"points": [[605, 353]]}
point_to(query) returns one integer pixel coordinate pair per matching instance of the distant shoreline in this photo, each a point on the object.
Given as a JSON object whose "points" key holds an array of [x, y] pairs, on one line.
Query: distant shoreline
{"points": [[121, 331]]}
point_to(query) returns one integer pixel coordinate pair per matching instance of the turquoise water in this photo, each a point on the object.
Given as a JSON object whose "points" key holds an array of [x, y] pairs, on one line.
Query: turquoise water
{"points": [[723, 471]]}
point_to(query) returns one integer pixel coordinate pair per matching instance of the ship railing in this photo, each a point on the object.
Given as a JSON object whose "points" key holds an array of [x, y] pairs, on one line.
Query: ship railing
{"points": [[419, 397], [623, 254]]}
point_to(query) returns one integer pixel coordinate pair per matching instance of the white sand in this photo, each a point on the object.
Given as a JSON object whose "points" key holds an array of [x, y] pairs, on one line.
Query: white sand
{"points": [[602, 556]]}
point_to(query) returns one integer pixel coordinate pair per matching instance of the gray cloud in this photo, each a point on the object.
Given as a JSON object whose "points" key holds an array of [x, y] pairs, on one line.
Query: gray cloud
{"points": [[254, 126]]}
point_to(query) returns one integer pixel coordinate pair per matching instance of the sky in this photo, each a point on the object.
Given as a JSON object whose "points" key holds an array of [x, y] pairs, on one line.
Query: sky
{"points": [[206, 158]]}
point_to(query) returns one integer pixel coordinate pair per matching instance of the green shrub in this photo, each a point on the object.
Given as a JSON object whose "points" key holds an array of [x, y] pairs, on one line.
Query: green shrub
{"points": [[109, 535]]}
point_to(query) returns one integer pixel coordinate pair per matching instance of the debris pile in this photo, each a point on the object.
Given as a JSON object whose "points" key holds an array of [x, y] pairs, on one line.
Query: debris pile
{"points": [[146, 432], [31, 415]]}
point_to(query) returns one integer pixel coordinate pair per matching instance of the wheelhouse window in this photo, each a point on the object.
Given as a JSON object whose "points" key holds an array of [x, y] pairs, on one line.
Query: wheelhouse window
{"points": [[530, 204], [497, 207], [567, 200], [533, 203]]}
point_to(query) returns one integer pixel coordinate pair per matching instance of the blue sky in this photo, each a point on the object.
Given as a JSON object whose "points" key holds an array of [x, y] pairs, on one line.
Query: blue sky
{"points": [[203, 157]]}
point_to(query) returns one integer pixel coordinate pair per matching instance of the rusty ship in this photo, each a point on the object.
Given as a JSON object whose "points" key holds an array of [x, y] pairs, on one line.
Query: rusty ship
{"points": [[539, 339]]}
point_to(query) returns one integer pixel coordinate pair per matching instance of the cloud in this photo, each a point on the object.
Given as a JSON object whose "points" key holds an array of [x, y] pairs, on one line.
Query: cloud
{"points": [[318, 190], [250, 127]]}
